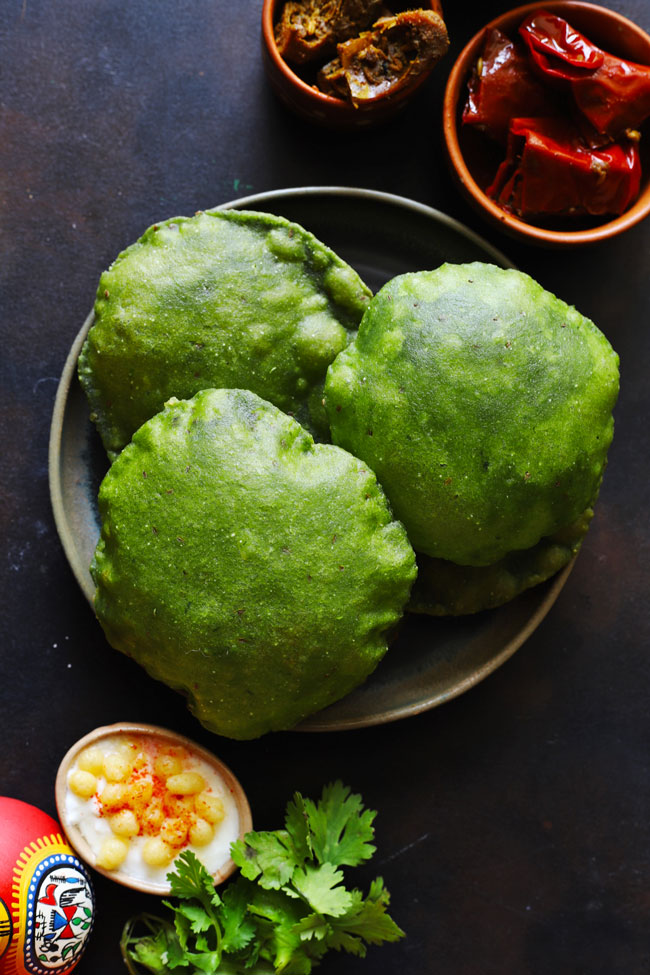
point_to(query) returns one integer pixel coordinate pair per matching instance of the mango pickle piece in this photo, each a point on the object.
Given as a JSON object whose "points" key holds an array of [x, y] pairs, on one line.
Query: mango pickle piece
{"points": [[353, 16], [386, 59], [332, 80], [310, 29]]}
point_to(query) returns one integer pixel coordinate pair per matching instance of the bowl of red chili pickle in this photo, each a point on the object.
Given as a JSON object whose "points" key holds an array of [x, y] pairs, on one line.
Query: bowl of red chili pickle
{"points": [[544, 118], [349, 64]]}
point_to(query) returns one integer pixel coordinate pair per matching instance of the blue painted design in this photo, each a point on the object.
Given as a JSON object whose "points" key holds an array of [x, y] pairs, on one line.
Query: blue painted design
{"points": [[60, 893]]}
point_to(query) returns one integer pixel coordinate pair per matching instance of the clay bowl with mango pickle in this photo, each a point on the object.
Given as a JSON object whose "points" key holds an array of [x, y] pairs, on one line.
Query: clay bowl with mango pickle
{"points": [[295, 85], [473, 158], [167, 795]]}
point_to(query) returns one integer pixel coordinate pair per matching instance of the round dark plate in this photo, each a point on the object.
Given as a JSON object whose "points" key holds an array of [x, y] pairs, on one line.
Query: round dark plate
{"points": [[431, 660]]}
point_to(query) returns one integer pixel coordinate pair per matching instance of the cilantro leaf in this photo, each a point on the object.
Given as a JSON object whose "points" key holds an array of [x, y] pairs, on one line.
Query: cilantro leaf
{"points": [[369, 919], [313, 926], [237, 929], [204, 961], [276, 917], [297, 826], [149, 954], [195, 914], [340, 828], [191, 879], [320, 888], [148, 950], [176, 955], [266, 857]]}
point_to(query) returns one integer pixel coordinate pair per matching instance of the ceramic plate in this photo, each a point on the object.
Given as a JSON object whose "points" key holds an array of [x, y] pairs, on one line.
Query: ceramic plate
{"points": [[431, 660]]}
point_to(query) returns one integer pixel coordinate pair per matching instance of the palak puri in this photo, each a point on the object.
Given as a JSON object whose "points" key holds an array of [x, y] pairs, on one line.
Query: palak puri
{"points": [[483, 404], [225, 298], [246, 566]]}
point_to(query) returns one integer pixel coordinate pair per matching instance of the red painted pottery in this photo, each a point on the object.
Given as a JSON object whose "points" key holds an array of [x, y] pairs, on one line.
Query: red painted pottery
{"points": [[47, 903]]}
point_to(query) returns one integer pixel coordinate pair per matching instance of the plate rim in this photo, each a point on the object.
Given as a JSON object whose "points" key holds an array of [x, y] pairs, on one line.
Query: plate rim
{"points": [[317, 722], [404, 202], [54, 458], [312, 724]]}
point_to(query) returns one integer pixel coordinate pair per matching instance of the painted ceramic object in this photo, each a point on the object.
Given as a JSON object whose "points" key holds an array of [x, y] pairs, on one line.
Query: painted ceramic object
{"points": [[47, 903]]}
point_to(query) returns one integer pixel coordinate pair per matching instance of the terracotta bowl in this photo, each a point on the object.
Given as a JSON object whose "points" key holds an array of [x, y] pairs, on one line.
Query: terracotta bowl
{"points": [[166, 738], [473, 159], [302, 97]]}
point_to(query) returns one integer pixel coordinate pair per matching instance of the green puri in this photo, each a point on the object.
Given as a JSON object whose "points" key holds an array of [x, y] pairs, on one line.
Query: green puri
{"points": [[242, 564], [226, 298], [483, 404], [444, 588]]}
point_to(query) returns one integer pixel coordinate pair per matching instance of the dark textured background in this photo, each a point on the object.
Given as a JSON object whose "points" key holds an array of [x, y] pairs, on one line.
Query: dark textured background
{"points": [[513, 826]]}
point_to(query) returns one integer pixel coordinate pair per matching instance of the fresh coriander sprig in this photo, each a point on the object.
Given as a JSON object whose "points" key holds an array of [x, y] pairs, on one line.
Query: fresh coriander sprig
{"points": [[284, 912]]}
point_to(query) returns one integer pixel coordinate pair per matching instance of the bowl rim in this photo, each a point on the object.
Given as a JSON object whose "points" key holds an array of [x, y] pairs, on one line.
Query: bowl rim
{"points": [[82, 847], [453, 91]]}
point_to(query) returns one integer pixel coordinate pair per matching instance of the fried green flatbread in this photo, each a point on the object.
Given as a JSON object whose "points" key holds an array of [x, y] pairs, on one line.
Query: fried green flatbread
{"points": [[447, 589], [239, 562], [483, 404], [226, 298]]}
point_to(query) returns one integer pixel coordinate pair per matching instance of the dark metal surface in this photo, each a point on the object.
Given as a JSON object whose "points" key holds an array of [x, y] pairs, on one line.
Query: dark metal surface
{"points": [[513, 827]]}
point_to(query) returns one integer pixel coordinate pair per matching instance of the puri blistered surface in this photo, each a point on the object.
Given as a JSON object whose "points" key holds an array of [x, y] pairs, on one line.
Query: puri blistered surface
{"points": [[484, 405], [446, 589], [222, 299], [246, 566]]}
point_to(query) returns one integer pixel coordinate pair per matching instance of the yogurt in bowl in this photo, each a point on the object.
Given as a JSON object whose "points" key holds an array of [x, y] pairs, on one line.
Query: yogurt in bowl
{"points": [[131, 797]]}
